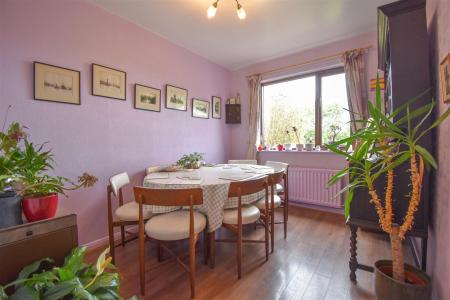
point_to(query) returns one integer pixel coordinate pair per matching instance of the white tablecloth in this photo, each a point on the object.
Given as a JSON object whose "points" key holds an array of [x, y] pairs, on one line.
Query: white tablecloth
{"points": [[215, 188]]}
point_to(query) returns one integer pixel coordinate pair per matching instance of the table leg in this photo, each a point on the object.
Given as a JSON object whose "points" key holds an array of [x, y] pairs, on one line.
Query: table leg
{"points": [[212, 249], [353, 263]]}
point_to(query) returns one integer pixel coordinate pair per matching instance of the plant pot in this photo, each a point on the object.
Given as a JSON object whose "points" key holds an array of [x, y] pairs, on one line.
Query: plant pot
{"points": [[280, 147], [10, 210], [40, 208], [287, 146], [416, 287], [308, 147], [299, 147]]}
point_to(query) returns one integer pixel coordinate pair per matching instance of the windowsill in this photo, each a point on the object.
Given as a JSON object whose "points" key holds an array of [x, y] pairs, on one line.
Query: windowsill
{"points": [[299, 152]]}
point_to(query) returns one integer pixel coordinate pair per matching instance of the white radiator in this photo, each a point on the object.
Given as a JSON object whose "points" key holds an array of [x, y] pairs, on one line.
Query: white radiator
{"points": [[310, 186]]}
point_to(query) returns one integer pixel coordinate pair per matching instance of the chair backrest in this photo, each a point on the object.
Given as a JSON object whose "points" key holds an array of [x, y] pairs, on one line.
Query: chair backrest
{"points": [[276, 177], [243, 188], [118, 181], [163, 197], [278, 166], [153, 169], [243, 161]]}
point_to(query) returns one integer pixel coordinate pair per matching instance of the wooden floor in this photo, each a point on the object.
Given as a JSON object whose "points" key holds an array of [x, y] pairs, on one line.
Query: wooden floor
{"points": [[311, 264]]}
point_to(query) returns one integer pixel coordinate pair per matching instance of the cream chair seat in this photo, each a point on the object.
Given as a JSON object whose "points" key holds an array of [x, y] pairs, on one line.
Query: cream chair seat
{"points": [[250, 214], [174, 226], [243, 162], [130, 212], [261, 204]]}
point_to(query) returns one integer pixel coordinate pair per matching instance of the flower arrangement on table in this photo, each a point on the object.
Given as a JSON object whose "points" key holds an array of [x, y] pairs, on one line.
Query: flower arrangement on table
{"points": [[191, 161]]}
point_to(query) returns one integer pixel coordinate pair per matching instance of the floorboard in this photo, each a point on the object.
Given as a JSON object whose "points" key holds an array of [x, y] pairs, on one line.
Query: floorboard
{"points": [[311, 264]]}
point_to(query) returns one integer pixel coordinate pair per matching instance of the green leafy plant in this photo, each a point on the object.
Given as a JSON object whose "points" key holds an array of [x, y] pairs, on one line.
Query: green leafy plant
{"points": [[24, 167], [74, 280], [190, 161], [381, 146]]}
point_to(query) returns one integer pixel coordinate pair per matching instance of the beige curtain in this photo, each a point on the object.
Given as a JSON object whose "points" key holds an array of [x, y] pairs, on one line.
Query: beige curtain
{"points": [[356, 85], [254, 83]]}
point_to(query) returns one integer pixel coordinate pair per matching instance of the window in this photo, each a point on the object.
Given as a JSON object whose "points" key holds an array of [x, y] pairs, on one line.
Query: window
{"points": [[316, 104]]}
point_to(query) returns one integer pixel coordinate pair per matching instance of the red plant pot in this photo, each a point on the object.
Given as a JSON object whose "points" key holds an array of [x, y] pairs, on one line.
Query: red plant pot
{"points": [[280, 147], [40, 208]]}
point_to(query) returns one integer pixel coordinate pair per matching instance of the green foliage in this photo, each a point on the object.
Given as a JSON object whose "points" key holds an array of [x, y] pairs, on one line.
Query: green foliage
{"points": [[382, 140], [74, 280], [190, 161], [24, 167]]}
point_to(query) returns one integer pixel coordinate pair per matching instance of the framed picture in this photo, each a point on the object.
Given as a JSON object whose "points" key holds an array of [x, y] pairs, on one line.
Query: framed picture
{"points": [[216, 107], [200, 108], [176, 97], [147, 98], [56, 84], [108, 82], [444, 72]]}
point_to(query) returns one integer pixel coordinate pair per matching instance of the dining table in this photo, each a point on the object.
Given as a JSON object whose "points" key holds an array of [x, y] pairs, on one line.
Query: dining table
{"points": [[214, 180]]}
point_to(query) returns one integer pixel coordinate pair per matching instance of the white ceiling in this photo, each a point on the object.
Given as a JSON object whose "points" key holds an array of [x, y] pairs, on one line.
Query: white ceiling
{"points": [[272, 28]]}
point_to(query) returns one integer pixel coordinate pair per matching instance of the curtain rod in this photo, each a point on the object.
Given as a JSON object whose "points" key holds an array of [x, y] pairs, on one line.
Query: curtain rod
{"points": [[366, 49]]}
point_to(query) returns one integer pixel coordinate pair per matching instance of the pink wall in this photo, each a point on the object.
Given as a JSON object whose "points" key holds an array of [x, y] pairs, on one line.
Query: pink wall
{"points": [[104, 136], [239, 85], [438, 12]]}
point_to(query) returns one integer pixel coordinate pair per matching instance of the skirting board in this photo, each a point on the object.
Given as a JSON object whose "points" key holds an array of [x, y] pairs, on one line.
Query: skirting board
{"points": [[104, 241]]}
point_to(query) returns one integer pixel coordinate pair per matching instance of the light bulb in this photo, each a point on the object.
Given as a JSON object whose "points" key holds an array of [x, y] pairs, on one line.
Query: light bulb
{"points": [[241, 12], [212, 10]]}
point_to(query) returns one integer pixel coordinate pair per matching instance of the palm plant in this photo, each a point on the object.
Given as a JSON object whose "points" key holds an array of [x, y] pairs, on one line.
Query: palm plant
{"points": [[382, 145]]}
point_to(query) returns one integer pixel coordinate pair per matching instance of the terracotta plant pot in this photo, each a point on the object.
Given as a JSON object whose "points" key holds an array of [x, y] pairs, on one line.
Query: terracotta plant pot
{"points": [[40, 208], [10, 210], [416, 287]]}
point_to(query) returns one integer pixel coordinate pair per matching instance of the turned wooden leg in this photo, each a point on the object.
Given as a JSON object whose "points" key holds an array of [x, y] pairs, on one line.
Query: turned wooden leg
{"points": [[239, 251], [353, 263], [111, 243], [212, 249]]}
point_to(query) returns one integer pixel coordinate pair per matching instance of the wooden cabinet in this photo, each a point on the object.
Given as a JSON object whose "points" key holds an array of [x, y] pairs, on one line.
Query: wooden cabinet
{"points": [[233, 113], [21, 245]]}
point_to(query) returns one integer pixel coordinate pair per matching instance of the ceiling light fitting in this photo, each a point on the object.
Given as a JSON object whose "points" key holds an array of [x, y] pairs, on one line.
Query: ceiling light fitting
{"points": [[211, 12]]}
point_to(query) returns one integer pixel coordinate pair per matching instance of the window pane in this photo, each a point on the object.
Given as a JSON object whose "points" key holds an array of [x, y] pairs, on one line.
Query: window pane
{"points": [[288, 104], [335, 117]]}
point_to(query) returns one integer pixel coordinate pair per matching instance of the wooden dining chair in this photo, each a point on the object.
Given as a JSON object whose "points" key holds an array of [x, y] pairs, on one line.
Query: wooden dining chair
{"points": [[124, 215], [173, 226], [242, 162], [282, 188], [268, 216], [153, 169], [235, 218]]}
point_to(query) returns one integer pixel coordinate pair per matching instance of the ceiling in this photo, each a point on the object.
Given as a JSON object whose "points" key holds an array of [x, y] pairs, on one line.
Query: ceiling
{"points": [[272, 28]]}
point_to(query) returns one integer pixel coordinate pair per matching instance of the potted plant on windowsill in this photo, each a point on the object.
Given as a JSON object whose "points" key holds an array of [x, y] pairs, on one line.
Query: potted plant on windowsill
{"points": [[25, 169], [382, 146]]}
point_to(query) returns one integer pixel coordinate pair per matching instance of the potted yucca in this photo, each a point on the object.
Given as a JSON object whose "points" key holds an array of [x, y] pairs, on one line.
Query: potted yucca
{"points": [[382, 145]]}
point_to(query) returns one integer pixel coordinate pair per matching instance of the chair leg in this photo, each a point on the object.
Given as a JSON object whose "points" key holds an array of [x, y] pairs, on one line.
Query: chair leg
{"points": [[212, 249], [159, 251], [142, 265], [285, 220], [122, 235], [266, 235], [111, 242], [272, 229], [239, 251], [205, 246], [192, 242]]}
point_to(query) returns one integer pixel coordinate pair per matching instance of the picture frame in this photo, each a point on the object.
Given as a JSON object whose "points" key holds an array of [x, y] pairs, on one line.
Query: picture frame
{"points": [[200, 108], [147, 98], [176, 97], [108, 82], [216, 107], [56, 84], [444, 75]]}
